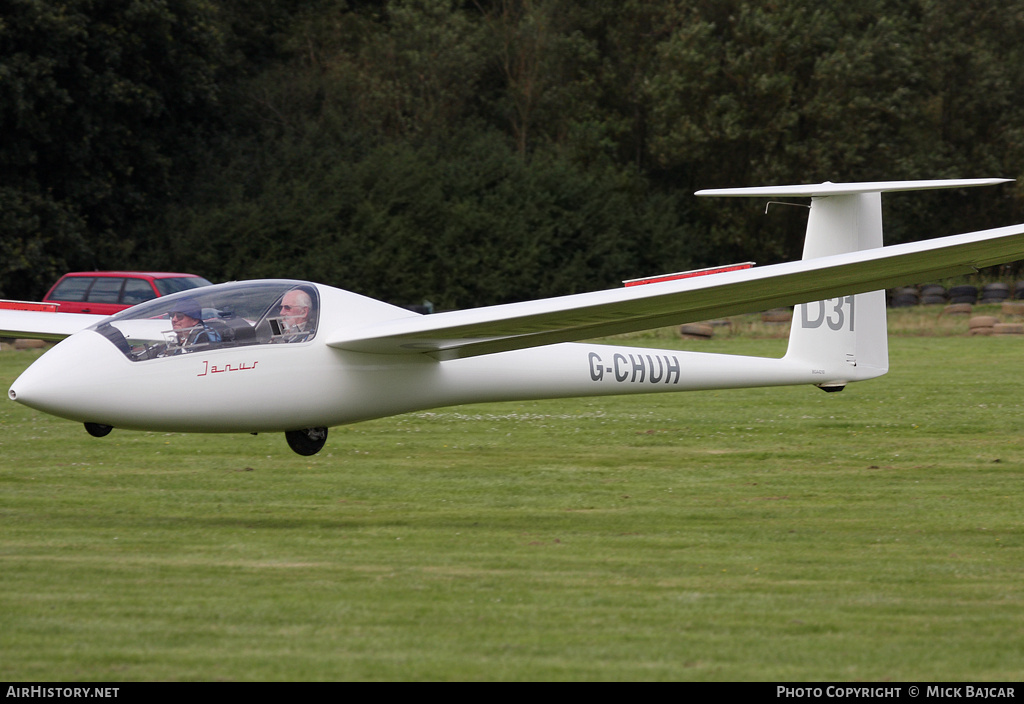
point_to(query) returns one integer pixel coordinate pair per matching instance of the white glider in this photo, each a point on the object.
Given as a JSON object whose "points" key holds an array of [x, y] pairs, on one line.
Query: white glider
{"points": [[299, 357]]}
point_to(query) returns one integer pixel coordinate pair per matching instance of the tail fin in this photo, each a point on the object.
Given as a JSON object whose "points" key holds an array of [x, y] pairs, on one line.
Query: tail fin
{"points": [[844, 339]]}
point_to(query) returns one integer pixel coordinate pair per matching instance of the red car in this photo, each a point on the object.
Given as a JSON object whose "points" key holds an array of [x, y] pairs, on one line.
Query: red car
{"points": [[108, 292]]}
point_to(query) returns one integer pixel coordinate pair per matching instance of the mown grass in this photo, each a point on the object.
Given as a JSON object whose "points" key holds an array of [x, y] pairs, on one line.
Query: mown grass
{"points": [[780, 534]]}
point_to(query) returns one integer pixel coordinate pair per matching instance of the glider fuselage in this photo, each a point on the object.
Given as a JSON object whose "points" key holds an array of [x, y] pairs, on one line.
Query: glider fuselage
{"points": [[274, 387]]}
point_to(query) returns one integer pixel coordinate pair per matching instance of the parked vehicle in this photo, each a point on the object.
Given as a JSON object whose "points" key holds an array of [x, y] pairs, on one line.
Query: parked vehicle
{"points": [[109, 292]]}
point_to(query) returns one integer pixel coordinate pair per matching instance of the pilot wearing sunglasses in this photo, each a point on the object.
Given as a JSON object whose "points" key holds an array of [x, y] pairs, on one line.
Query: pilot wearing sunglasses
{"points": [[192, 332]]}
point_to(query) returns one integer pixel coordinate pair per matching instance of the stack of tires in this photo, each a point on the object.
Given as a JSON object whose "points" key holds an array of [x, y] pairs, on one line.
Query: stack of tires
{"points": [[696, 331], [1008, 329], [905, 297], [990, 325], [933, 295], [963, 294], [995, 293], [982, 325]]}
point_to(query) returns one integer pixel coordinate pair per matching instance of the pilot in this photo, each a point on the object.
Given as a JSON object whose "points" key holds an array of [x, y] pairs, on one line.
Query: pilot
{"points": [[296, 325], [187, 321]]}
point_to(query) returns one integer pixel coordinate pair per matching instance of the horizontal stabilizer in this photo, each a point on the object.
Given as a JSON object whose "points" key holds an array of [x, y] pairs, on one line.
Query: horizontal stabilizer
{"points": [[844, 189]]}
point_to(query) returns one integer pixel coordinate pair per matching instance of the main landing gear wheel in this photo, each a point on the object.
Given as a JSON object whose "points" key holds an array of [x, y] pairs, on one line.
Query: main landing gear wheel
{"points": [[307, 441], [97, 430]]}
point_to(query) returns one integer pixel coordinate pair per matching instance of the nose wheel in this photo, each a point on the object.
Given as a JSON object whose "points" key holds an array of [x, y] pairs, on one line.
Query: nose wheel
{"points": [[97, 430], [307, 441]]}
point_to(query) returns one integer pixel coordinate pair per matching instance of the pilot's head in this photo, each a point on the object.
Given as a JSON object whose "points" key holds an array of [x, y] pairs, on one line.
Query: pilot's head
{"points": [[295, 308], [186, 314]]}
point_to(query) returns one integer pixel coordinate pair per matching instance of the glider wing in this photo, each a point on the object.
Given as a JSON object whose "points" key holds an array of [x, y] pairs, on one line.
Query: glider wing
{"points": [[514, 326], [44, 325]]}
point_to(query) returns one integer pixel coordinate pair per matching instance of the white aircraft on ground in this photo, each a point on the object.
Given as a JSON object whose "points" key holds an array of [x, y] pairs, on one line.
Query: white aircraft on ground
{"points": [[299, 357]]}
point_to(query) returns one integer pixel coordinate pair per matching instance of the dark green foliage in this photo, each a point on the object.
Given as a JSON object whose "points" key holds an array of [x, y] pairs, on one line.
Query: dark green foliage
{"points": [[465, 224], [483, 151], [41, 236], [99, 100]]}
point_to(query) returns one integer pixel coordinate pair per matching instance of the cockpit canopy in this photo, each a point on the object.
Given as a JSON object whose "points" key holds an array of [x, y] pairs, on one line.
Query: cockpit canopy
{"points": [[214, 317]]}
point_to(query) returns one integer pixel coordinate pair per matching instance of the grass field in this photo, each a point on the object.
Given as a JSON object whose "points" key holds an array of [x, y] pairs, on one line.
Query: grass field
{"points": [[781, 534]]}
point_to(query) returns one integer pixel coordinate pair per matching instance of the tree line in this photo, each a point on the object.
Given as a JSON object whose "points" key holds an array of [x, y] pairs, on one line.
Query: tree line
{"points": [[483, 151]]}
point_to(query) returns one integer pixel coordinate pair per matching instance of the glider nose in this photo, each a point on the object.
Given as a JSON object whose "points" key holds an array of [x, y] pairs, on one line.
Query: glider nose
{"points": [[66, 380], [32, 390]]}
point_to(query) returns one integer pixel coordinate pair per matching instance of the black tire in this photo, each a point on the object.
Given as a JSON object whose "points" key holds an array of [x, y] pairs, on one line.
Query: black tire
{"points": [[307, 441], [98, 430], [995, 293], [963, 294]]}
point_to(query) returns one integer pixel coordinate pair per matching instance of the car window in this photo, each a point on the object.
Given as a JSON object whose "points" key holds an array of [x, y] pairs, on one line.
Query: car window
{"points": [[106, 289], [137, 291], [182, 283], [72, 288]]}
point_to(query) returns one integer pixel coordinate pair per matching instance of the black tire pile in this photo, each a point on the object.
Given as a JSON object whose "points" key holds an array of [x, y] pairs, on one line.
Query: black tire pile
{"points": [[934, 294]]}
